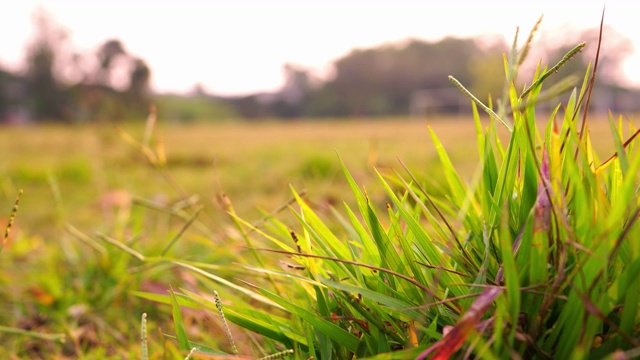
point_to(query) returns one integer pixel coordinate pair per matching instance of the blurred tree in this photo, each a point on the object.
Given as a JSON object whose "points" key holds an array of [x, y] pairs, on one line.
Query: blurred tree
{"points": [[117, 88], [46, 95], [62, 85], [139, 90], [12, 97], [383, 80], [252, 106], [610, 83], [107, 53], [324, 101], [198, 107], [291, 101], [4, 94], [551, 47], [487, 73], [393, 78], [296, 85]]}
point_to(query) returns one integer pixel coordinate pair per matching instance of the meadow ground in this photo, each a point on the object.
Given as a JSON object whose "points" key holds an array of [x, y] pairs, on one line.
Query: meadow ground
{"points": [[88, 177], [253, 163], [75, 174]]}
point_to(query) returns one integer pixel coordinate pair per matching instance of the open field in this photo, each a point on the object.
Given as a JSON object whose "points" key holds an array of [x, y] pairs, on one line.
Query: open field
{"points": [[86, 177], [253, 163]]}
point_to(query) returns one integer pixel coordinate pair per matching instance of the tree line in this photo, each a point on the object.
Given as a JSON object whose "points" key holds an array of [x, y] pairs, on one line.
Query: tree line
{"points": [[410, 77], [66, 86]]}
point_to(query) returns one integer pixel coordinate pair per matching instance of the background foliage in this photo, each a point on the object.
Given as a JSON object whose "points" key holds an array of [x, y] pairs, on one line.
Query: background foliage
{"points": [[407, 77]]}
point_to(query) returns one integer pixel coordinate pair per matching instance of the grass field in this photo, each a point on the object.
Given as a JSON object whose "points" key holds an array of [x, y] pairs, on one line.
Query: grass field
{"points": [[252, 162], [53, 282]]}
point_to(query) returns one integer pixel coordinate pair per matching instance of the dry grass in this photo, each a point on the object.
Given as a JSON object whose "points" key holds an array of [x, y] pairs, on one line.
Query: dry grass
{"points": [[252, 162]]}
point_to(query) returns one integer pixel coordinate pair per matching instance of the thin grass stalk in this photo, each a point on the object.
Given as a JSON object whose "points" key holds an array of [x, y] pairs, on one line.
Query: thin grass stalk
{"points": [[225, 325], [570, 55], [85, 239], [592, 81], [61, 338], [12, 216], [149, 125], [191, 353], [479, 103], [527, 44], [278, 355], [182, 230], [122, 246], [143, 337]]}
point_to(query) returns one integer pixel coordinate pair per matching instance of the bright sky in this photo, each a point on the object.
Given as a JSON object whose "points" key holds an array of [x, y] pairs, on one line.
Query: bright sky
{"points": [[240, 46]]}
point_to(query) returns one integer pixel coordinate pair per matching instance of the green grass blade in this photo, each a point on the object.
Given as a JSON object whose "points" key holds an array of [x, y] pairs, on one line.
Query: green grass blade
{"points": [[394, 304], [334, 332], [510, 273], [204, 350], [227, 283], [459, 193], [433, 254], [181, 333]]}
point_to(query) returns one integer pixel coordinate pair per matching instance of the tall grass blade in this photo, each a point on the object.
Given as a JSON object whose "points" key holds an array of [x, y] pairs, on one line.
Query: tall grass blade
{"points": [[334, 332], [181, 333], [592, 80]]}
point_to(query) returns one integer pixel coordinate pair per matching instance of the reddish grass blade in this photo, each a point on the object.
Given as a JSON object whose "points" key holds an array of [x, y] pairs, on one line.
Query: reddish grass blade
{"points": [[454, 339], [542, 215]]}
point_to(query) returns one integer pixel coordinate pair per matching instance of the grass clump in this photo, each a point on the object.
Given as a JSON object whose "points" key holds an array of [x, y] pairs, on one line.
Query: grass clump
{"points": [[534, 257]]}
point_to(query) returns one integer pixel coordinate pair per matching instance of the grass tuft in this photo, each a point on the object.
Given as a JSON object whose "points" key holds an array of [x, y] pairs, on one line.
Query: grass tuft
{"points": [[530, 258], [504, 265]]}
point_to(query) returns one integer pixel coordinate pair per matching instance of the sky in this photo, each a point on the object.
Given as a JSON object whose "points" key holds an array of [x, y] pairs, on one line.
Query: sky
{"points": [[240, 47]]}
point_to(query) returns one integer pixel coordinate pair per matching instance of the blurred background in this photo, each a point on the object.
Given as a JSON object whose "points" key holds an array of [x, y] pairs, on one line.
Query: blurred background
{"points": [[89, 61]]}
